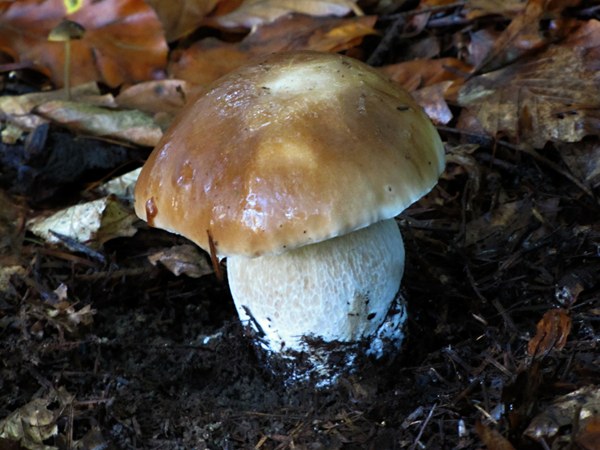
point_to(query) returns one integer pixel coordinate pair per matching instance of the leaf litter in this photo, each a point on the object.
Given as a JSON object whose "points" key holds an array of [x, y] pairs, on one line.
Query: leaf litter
{"points": [[103, 347]]}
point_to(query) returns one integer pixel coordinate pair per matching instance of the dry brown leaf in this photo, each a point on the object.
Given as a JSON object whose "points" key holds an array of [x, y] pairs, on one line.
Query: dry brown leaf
{"points": [[417, 74], [588, 437], [210, 58], [506, 8], [163, 96], [123, 41], [179, 18], [513, 8], [552, 333], [480, 45], [18, 109], [520, 37], [554, 96], [31, 425], [583, 160], [431, 99], [183, 259], [253, 13], [129, 126], [434, 3], [524, 33], [91, 223], [581, 406], [491, 438]]}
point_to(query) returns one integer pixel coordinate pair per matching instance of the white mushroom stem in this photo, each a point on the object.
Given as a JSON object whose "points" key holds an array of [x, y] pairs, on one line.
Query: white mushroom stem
{"points": [[337, 290]]}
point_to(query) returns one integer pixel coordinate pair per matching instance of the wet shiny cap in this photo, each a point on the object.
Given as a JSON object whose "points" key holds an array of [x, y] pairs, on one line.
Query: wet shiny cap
{"points": [[291, 150]]}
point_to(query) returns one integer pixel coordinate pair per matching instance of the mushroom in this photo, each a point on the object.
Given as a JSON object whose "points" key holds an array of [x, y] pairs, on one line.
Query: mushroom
{"points": [[66, 31], [294, 168]]}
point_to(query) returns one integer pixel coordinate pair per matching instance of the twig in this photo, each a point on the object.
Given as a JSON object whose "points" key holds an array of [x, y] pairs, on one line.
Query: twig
{"points": [[422, 429]]}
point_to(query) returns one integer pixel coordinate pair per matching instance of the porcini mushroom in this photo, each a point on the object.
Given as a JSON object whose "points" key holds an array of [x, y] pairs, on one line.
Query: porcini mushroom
{"points": [[295, 167]]}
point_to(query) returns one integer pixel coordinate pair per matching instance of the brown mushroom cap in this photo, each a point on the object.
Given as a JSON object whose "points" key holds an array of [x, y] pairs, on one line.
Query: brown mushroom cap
{"points": [[66, 30], [292, 150]]}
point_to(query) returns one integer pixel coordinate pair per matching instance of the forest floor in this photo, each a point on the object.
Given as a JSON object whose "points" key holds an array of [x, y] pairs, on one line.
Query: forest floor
{"points": [[100, 349]]}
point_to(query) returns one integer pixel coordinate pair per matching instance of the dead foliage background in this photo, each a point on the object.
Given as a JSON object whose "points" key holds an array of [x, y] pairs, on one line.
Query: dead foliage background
{"points": [[114, 335]]}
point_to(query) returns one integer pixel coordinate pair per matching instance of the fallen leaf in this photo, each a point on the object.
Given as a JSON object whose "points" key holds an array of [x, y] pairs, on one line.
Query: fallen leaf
{"points": [[581, 406], [417, 74], [183, 259], [514, 8], [18, 109], [91, 223], [121, 187], [480, 45], [520, 37], [588, 437], [507, 8], [63, 313], [30, 425], [491, 438], [573, 283], [431, 99], [162, 96], [583, 160], [552, 332], [210, 58], [552, 97], [123, 40], [253, 13], [435, 3], [126, 126], [6, 273], [179, 18]]}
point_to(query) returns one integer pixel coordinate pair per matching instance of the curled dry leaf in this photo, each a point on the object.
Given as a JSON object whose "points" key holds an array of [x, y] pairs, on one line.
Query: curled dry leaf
{"points": [[576, 281], [432, 82], [551, 333], [162, 96], [514, 8], [18, 109], [253, 13], [6, 273], [123, 42], [507, 8], [183, 259], [64, 314], [179, 18], [35, 422], [492, 439], [417, 74], [581, 406], [211, 58], [431, 99], [91, 223], [583, 160], [554, 97], [588, 437], [521, 36], [121, 187], [127, 126]]}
